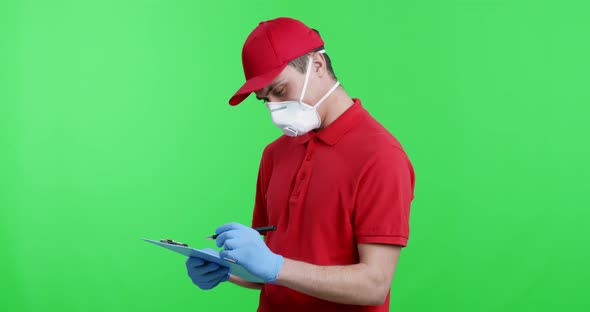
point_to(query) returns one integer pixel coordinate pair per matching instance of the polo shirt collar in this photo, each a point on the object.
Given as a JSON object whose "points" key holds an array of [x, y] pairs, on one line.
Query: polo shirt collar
{"points": [[338, 128]]}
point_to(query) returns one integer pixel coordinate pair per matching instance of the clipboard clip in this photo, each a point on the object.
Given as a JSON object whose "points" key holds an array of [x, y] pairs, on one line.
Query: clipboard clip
{"points": [[172, 242]]}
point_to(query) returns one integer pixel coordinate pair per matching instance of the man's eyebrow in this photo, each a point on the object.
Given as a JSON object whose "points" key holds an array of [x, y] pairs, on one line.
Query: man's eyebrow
{"points": [[270, 87]]}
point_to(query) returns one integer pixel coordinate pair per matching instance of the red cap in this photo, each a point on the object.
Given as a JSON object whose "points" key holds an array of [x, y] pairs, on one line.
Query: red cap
{"points": [[268, 50]]}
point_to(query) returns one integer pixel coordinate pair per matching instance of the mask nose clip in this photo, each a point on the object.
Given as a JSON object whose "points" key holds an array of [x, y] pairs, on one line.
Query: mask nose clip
{"points": [[290, 131]]}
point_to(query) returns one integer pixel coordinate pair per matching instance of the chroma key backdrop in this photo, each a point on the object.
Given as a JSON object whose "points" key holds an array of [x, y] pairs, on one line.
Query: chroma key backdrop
{"points": [[114, 126]]}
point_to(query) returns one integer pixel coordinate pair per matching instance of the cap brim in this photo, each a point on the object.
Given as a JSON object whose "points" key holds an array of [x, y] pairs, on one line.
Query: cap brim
{"points": [[255, 83]]}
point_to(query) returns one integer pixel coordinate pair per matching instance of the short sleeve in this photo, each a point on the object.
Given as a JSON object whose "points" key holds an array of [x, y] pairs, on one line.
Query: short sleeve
{"points": [[260, 216], [384, 194]]}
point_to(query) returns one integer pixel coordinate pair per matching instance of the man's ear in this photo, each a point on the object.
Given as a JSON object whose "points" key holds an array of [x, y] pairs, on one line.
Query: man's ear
{"points": [[319, 64]]}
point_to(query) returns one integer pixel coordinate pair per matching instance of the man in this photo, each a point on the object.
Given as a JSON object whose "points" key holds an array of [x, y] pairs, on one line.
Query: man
{"points": [[338, 186]]}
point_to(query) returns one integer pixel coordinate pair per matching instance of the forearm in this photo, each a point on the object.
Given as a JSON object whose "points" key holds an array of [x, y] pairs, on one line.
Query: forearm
{"points": [[244, 283], [351, 284]]}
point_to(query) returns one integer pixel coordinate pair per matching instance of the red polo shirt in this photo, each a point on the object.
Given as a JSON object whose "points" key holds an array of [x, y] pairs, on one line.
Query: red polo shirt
{"points": [[327, 191]]}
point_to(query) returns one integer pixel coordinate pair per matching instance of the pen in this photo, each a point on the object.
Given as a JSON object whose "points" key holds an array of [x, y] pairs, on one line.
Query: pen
{"points": [[261, 230]]}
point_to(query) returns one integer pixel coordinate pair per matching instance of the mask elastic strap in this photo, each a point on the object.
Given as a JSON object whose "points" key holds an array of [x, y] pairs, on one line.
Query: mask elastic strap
{"points": [[328, 94], [306, 78], [309, 61]]}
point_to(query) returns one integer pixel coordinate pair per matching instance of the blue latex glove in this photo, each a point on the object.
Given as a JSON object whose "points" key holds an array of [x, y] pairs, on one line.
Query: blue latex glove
{"points": [[244, 245], [206, 274]]}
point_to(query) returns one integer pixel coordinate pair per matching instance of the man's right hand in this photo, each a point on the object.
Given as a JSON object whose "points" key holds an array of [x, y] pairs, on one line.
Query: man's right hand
{"points": [[206, 274]]}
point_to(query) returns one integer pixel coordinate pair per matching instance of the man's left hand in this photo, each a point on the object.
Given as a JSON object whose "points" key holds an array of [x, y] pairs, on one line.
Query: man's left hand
{"points": [[244, 245]]}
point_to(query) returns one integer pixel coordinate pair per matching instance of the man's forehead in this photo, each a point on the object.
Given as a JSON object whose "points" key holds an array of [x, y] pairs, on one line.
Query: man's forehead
{"points": [[281, 78], [262, 92]]}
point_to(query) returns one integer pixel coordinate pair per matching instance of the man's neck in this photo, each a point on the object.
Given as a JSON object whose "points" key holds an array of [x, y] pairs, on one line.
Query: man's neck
{"points": [[335, 105]]}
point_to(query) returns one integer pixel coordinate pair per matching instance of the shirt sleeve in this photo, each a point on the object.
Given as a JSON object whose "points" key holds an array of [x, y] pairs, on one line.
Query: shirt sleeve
{"points": [[385, 191], [259, 216]]}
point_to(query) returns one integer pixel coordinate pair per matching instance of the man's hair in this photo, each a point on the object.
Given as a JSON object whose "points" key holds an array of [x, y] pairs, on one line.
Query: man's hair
{"points": [[300, 63]]}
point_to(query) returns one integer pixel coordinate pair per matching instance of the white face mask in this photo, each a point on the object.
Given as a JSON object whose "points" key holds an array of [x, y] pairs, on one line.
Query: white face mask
{"points": [[296, 118]]}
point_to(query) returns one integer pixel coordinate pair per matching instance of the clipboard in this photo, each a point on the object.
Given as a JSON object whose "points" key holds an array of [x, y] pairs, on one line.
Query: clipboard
{"points": [[210, 255]]}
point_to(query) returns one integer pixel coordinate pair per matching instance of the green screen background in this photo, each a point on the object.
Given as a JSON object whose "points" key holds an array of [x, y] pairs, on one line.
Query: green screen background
{"points": [[114, 125]]}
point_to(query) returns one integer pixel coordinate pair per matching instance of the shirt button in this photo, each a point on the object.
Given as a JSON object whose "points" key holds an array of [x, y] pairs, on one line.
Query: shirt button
{"points": [[308, 158], [302, 177]]}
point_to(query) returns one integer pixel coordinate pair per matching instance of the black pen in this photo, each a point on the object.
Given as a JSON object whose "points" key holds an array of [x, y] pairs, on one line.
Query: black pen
{"points": [[261, 230]]}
